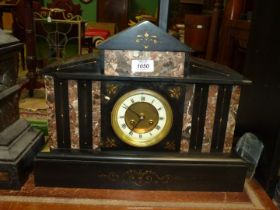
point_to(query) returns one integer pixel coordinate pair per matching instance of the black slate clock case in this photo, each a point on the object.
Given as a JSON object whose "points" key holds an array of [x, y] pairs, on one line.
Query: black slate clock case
{"points": [[126, 167]]}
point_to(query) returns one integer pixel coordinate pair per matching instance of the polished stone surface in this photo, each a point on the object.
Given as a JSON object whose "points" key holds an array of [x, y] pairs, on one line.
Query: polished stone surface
{"points": [[210, 117], [73, 113], [31, 197], [231, 123], [166, 64], [52, 137], [187, 118]]}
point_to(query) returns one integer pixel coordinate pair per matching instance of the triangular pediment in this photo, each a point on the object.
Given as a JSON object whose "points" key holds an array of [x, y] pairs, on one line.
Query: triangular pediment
{"points": [[144, 36]]}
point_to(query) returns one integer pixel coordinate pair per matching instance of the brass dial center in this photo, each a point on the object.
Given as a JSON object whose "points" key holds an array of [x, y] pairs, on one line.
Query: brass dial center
{"points": [[141, 117]]}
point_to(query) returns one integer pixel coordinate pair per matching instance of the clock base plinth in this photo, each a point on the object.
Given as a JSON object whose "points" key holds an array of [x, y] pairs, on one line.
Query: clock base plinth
{"points": [[139, 171]]}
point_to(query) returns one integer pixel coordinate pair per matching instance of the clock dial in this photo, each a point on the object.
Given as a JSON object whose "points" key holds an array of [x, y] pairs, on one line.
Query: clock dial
{"points": [[141, 118]]}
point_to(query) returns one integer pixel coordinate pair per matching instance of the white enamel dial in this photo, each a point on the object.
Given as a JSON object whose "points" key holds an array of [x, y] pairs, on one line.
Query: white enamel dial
{"points": [[141, 118]]}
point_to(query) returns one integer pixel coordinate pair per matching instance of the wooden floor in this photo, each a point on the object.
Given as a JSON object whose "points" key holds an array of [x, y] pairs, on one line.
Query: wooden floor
{"points": [[43, 198]]}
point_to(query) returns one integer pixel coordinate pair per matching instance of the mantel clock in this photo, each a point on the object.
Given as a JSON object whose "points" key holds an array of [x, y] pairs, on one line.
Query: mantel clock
{"points": [[142, 114]]}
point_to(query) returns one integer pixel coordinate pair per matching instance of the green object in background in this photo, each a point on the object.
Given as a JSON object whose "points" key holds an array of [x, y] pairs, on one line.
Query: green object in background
{"points": [[149, 7], [41, 125], [88, 10]]}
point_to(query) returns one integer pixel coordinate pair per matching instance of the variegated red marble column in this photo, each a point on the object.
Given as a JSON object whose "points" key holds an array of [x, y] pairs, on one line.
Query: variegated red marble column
{"points": [[187, 118], [234, 103], [52, 135], [73, 113], [96, 115], [210, 118]]}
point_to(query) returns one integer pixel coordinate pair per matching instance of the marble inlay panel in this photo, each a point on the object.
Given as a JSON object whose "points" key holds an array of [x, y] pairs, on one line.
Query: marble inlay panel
{"points": [[118, 63], [234, 103], [187, 118], [52, 135], [73, 113], [210, 118], [96, 114]]}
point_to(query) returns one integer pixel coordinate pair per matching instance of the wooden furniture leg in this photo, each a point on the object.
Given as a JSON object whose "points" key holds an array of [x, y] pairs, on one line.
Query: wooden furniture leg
{"points": [[30, 45], [1, 20], [232, 13], [214, 31]]}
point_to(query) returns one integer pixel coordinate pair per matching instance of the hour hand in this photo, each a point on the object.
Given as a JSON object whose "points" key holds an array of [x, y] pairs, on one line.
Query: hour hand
{"points": [[135, 125], [141, 118]]}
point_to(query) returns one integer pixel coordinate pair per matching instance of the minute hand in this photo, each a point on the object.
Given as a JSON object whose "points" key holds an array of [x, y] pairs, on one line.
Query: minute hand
{"points": [[138, 115]]}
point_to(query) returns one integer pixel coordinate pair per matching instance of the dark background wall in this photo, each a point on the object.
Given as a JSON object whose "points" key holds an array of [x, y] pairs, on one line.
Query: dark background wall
{"points": [[260, 103]]}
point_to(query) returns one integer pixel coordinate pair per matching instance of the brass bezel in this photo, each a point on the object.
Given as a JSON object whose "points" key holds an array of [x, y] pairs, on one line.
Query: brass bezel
{"points": [[134, 141]]}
